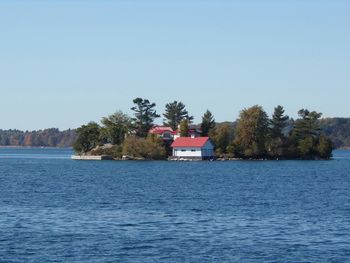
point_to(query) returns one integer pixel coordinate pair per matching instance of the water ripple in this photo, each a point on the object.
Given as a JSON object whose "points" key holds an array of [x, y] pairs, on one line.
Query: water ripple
{"points": [[58, 210]]}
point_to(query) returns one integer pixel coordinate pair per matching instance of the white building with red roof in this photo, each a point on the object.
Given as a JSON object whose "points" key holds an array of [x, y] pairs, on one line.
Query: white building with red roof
{"points": [[193, 148]]}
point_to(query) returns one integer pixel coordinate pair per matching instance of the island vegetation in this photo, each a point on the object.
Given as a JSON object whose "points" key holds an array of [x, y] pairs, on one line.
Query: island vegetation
{"points": [[252, 136]]}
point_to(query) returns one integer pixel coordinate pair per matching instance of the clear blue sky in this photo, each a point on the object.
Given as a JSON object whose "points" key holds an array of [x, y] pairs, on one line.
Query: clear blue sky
{"points": [[64, 63]]}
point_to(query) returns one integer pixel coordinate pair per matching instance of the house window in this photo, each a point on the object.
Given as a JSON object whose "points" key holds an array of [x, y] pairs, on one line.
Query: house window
{"points": [[183, 150], [193, 150]]}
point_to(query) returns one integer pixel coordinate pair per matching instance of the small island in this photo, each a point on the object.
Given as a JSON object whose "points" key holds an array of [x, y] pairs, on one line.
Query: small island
{"points": [[253, 136]]}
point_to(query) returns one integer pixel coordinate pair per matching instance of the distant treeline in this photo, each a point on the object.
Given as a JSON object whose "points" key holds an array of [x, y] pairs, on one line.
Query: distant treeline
{"points": [[338, 130], [41, 138]]}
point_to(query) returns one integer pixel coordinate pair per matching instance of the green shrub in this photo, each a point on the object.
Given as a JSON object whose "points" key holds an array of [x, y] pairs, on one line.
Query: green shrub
{"points": [[150, 148]]}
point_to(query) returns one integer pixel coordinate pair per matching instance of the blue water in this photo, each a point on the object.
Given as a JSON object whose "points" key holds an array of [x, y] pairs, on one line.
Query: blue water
{"points": [[53, 209]]}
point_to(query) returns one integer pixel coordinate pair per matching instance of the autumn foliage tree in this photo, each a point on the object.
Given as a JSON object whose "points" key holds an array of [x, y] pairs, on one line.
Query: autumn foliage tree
{"points": [[222, 138], [251, 133]]}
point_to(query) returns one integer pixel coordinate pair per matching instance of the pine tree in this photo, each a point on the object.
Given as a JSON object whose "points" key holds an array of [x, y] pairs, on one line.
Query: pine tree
{"points": [[308, 140], [324, 147], [184, 129], [308, 124], [208, 123], [276, 145], [144, 116], [174, 113], [278, 122]]}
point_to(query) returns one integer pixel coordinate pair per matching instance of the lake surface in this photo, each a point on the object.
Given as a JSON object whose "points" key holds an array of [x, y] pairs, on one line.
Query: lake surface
{"points": [[53, 209]]}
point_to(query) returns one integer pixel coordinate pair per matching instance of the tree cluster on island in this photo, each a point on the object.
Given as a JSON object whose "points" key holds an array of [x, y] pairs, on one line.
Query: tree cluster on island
{"points": [[253, 136]]}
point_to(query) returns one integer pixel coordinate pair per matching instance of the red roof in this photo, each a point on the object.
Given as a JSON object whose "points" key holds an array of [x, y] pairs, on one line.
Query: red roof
{"points": [[160, 130], [190, 142]]}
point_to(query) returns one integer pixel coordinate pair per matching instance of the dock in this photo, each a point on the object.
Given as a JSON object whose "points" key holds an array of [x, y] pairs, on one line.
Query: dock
{"points": [[92, 157]]}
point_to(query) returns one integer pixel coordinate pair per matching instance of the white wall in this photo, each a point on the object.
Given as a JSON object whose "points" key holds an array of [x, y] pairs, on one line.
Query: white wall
{"points": [[206, 151], [188, 152]]}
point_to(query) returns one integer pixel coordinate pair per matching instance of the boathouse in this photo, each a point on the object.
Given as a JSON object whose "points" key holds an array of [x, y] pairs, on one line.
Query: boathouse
{"points": [[193, 148]]}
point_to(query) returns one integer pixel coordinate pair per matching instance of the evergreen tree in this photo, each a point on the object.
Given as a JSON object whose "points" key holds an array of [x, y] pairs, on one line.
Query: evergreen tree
{"points": [[308, 124], [306, 147], [184, 128], [324, 147], [174, 113], [208, 123], [276, 141], [251, 133], [144, 116], [308, 140], [278, 122]]}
